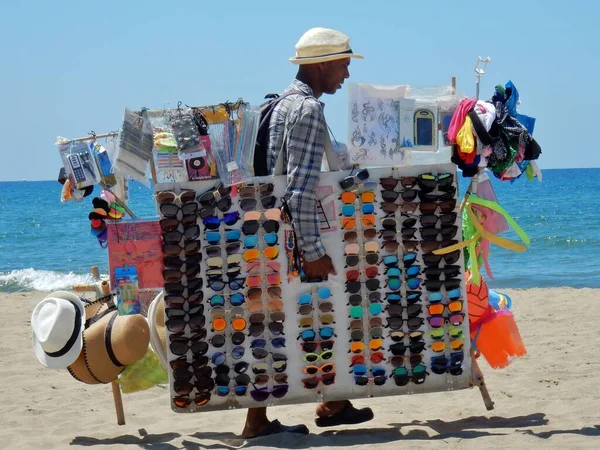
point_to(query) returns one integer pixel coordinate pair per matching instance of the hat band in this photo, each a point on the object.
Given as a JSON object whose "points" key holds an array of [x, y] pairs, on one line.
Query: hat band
{"points": [[108, 342], [323, 56], [74, 335]]}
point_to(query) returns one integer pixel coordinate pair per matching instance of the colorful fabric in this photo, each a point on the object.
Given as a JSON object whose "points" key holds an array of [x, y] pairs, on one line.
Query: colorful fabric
{"points": [[458, 118], [306, 128]]}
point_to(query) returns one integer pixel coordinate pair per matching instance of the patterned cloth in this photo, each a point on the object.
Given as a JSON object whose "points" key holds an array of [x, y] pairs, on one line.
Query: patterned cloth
{"points": [[304, 151]]}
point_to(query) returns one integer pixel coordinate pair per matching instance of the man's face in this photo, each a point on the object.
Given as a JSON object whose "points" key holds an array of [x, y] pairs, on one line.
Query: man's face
{"points": [[333, 74]]}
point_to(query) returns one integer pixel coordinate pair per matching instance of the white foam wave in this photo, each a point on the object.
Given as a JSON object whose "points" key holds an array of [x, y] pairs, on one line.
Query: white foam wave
{"points": [[40, 280]]}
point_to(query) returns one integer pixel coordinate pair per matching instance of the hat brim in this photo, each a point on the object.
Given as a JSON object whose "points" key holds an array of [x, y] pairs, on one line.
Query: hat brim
{"points": [[320, 59], [61, 362]]}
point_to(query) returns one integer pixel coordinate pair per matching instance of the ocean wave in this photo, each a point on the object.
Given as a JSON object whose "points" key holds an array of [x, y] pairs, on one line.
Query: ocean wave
{"points": [[40, 280]]}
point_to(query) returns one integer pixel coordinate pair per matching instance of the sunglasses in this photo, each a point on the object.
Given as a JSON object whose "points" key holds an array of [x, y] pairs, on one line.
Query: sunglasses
{"points": [[183, 387], [453, 319], [214, 237], [352, 236], [325, 319], [223, 204], [313, 383], [262, 394], [324, 307], [325, 333], [279, 378], [179, 318], [193, 286], [434, 273], [354, 274], [216, 250], [322, 294], [397, 310], [180, 345], [445, 206], [436, 285], [235, 299], [174, 275], [175, 237], [413, 336], [257, 306], [311, 347], [201, 399], [213, 223], [374, 345], [166, 197], [413, 323], [401, 375], [269, 214], [261, 353], [375, 358], [437, 297], [350, 197], [235, 284], [175, 249], [390, 183], [274, 293], [314, 370], [214, 195], [175, 262], [353, 180], [350, 210], [364, 381], [254, 254], [441, 364], [314, 357], [353, 287], [404, 207], [248, 191], [429, 182], [399, 348], [431, 234], [196, 364], [278, 342], [178, 301], [439, 333], [426, 246], [431, 260], [438, 309], [407, 195], [440, 346], [252, 226], [367, 220], [437, 197], [371, 258], [251, 241], [189, 212]]}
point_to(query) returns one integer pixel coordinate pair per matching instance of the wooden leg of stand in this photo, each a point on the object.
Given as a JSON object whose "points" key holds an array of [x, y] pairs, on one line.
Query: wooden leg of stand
{"points": [[479, 381], [116, 389]]}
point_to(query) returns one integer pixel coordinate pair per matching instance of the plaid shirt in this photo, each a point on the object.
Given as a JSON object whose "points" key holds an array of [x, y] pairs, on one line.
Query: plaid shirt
{"points": [[305, 148]]}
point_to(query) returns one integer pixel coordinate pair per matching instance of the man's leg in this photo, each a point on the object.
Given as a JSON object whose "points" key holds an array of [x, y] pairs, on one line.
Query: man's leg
{"points": [[257, 424], [341, 412]]}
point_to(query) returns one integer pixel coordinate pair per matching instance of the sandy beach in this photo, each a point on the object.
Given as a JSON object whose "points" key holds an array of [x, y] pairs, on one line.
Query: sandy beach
{"points": [[549, 399]]}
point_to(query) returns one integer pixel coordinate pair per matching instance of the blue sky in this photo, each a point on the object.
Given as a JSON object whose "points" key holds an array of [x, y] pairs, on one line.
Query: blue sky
{"points": [[70, 67]]}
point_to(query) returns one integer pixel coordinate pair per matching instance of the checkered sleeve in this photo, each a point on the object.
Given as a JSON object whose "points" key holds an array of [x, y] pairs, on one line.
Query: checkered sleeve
{"points": [[305, 148]]}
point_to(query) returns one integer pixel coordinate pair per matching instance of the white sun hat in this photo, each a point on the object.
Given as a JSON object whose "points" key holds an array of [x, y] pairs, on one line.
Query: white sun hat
{"points": [[321, 45], [57, 325]]}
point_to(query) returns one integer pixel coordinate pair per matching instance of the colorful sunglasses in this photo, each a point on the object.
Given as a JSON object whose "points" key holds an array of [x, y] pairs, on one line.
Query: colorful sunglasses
{"points": [[314, 370], [254, 254], [213, 223], [454, 319], [251, 241], [235, 299], [168, 197]]}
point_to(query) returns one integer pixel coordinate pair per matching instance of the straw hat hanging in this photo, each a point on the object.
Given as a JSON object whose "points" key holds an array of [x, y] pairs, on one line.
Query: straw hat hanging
{"points": [[110, 342]]}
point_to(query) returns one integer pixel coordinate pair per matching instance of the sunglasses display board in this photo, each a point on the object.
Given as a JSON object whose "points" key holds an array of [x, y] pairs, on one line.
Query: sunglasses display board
{"points": [[243, 332]]}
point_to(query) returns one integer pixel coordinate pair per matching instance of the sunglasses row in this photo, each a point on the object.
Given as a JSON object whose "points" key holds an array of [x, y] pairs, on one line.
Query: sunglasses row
{"points": [[321, 351]]}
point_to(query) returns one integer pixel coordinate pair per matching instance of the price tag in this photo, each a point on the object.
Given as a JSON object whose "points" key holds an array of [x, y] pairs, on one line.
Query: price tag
{"points": [[231, 166]]}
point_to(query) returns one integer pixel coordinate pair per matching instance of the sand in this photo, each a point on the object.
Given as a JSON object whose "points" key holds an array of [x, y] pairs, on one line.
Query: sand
{"points": [[549, 399]]}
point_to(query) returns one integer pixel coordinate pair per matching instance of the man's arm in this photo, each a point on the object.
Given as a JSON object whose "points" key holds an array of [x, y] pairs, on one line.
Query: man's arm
{"points": [[305, 148]]}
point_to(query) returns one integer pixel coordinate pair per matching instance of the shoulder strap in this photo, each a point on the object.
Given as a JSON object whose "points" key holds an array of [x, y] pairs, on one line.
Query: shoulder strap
{"points": [[282, 155]]}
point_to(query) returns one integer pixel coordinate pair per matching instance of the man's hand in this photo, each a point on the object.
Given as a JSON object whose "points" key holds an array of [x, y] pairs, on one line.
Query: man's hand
{"points": [[319, 268]]}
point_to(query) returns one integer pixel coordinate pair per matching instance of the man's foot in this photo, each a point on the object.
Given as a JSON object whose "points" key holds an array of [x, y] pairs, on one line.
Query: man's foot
{"points": [[342, 414], [273, 427]]}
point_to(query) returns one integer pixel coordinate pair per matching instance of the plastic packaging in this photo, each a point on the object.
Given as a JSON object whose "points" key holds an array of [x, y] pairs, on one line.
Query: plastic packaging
{"points": [[186, 132], [79, 163], [135, 146], [143, 374]]}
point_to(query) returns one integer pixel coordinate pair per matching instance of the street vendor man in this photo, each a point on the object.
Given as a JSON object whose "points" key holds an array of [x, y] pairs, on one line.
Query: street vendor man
{"points": [[323, 56]]}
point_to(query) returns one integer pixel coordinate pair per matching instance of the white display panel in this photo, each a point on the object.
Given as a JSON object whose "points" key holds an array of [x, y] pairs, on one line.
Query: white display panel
{"points": [[344, 387]]}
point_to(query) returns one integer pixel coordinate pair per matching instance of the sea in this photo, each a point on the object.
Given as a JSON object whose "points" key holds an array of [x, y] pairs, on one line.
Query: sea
{"points": [[46, 245]]}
